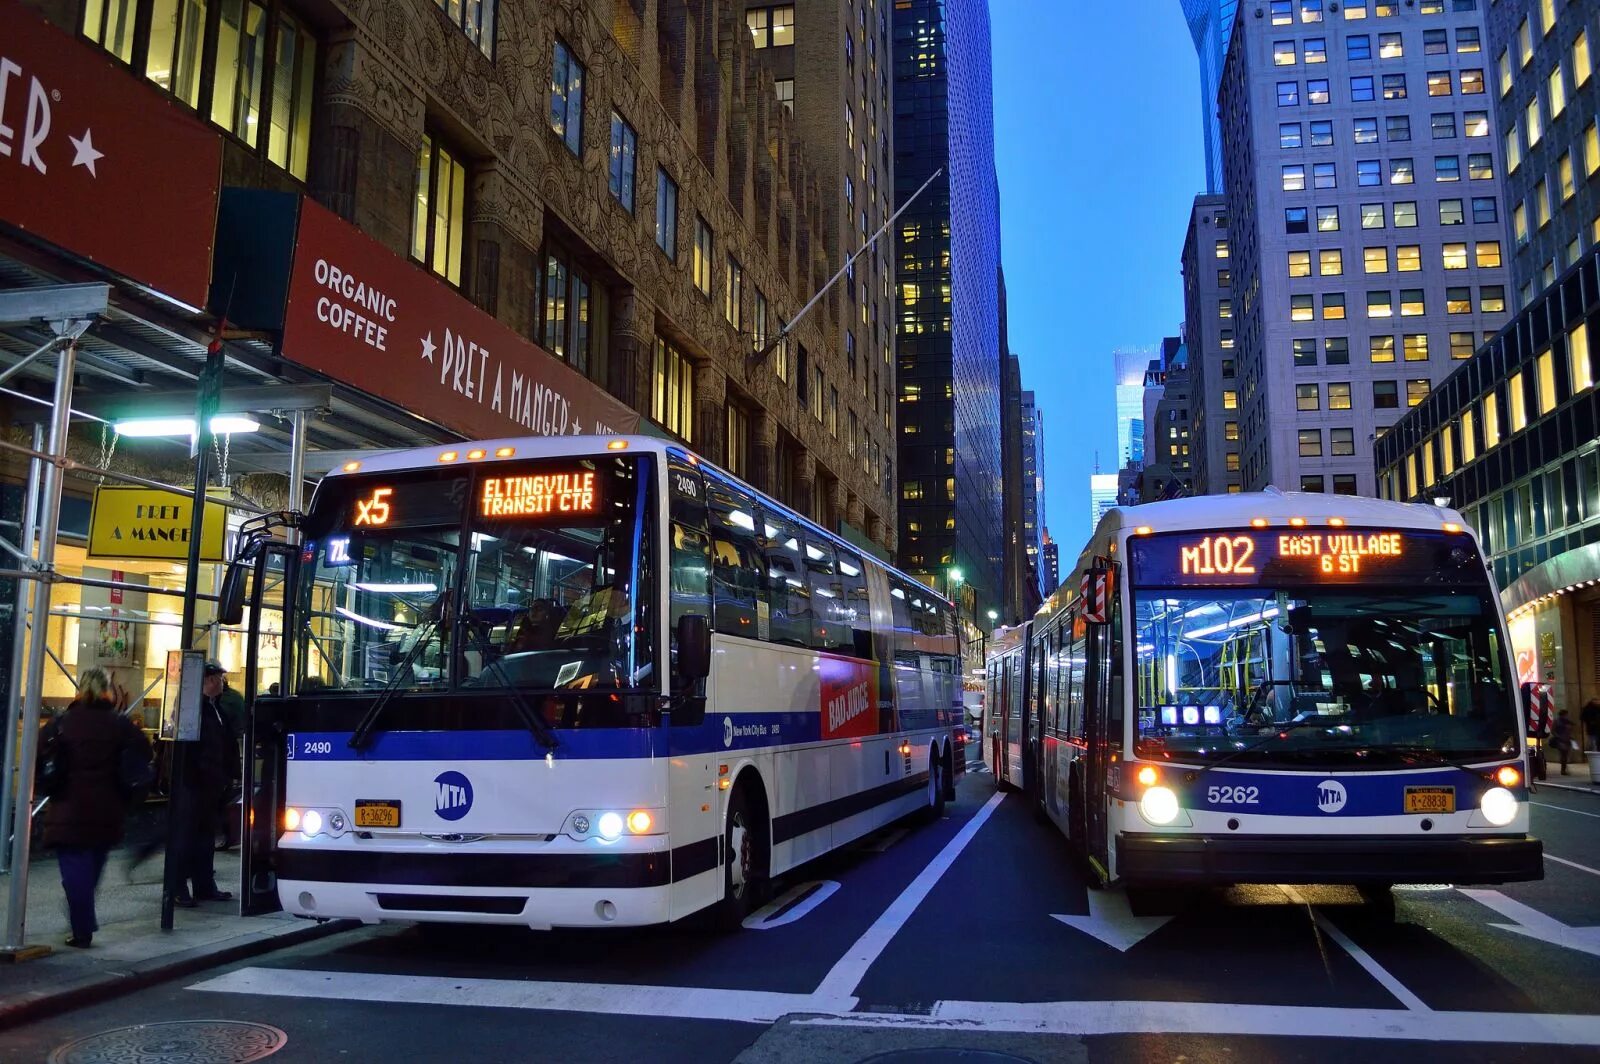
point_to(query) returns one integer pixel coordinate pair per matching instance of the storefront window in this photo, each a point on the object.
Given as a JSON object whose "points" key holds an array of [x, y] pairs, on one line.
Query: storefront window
{"points": [[177, 43], [109, 23], [289, 138]]}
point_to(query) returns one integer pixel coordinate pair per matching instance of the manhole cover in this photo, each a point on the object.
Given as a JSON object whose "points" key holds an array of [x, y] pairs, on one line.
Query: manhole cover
{"points": [[179, 1042], [945, 1055]]}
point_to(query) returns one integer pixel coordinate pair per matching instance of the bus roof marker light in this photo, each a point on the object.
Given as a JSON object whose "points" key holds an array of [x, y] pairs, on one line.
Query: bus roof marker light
{"points": [[1258, 522], [1451, 526], [617, 445], [1336, 522], [475, 454], [1297, 522], [504, 452], [1143, 530], [448, 456], [351, 467]]}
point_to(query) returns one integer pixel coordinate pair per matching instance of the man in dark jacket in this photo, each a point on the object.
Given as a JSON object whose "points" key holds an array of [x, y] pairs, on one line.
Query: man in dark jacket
{"points": [[213, 767], [90, 743]]}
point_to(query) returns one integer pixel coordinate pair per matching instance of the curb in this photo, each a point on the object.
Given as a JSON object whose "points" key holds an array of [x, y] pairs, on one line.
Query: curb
{"points": [[1593, 789], [103, 986]]}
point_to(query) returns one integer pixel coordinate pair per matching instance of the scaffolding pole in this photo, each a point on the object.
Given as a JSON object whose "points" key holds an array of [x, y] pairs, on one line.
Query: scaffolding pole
{"points": [[15, 947], [13, 716]]}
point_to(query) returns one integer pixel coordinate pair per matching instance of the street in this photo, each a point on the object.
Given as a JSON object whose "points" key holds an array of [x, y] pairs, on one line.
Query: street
{"points": [[970, 933]]}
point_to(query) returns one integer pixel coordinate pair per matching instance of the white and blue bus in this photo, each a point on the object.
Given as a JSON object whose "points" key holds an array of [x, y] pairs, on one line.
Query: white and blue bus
{"points": [[1272, 688], [588, 681]]}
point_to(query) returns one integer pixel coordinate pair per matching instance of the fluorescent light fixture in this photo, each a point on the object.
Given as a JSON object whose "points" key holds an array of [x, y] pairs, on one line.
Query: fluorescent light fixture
{"points": [[368, 621], [1236, 623], [145, 427], [394, 589]]}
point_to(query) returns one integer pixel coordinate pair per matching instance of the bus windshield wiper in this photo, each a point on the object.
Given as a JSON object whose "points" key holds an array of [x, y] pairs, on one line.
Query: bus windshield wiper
{"points": [[541, 731], [1415, 750], [394, 688]]}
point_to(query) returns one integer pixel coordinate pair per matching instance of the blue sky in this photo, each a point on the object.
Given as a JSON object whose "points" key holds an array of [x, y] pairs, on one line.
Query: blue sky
{"points": [[1098, 148]]}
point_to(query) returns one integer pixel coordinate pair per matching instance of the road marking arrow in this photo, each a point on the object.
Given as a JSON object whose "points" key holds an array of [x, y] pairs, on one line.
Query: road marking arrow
{"points": [[1529, 921], [1111, 920]]}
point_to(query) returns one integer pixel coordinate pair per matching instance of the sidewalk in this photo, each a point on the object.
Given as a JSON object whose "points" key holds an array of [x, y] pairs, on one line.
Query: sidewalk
{"points": [[130, 950]]}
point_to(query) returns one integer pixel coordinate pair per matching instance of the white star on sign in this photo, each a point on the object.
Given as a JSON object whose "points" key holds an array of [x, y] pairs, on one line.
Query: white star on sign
{"points": [[84, 153], [428, 347]]}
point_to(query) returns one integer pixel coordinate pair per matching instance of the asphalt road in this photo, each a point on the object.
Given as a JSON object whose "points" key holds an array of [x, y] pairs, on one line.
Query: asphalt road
{"points": [[972, 934]]}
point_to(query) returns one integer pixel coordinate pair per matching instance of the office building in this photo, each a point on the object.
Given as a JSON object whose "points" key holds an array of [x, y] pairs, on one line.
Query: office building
{"points": [[1102, 496], [1210, 24], [1052, 564], [949, 348], [1510, 437], [1168, 471], [1366, 223], [1131, 364], [1208, 331], [1032, 423]]}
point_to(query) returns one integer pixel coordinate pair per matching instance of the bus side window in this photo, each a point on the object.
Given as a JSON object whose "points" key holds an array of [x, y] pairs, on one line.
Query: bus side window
{"points": [[830, 612], [1077, 656], [785, 572], [856, 605], [735, 563], [690, 545]]}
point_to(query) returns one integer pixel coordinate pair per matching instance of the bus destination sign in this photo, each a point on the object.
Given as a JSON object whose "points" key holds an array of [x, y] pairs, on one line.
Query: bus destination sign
{"points": [[540, 495], [1297, 555]]}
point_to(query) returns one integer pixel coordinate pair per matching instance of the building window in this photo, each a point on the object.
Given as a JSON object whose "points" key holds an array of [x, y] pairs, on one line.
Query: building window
{"points": [[1412, 304], [1455, 256], [1492, 298], [1361, 89], [1385, 395], [1480, 167], [1316, 50], [1397, 128], [1416, 390], [1368, 173], [1545, 372], [1301, 308], [1471, 82], [1394, 86], [700, 266], [1401, 171], [672, 401], [1344, 484], [666, 214], [1460, 345], [1415, 346], [1305, 352], [1295, 220], [1519, 223], [1317, 91], [771, 27], [733, 294], [1564, 176], [624, 151], [1306, 397], [1443, 126], [1487, 253], [1327, 219], [1330, 262], [1578, 361], [1450, 212], [438, 226], [1289, 134], [783, 89], [1311, 482], [1336, 350], [1582, 65], [1380, 348], [1407, 258], [1357, 46], [475, 18], [1438, 83], [1333, 305], [1458, 300], [1283, 53], [1372, 216], [1338, 398], [1375, 260], [1294, 178], [1311, 442], [1380, 305], [566, 313], [566, 99], [1288, 93], [1230, 400], [1299, 264], [737, 457], [1366, 130]]}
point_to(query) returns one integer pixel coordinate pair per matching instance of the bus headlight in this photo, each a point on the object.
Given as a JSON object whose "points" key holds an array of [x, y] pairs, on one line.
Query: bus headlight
{"points": [[291, 819], [610, 826], [311, 822], [1159, 805], [1499, 806]]}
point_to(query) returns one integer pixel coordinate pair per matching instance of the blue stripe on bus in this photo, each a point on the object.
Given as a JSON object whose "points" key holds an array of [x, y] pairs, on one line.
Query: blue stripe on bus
{"points": [[1319, 794]]}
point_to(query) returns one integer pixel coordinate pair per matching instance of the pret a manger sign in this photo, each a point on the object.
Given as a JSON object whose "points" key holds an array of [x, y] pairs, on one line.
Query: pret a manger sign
{"points": [[540, 495]]}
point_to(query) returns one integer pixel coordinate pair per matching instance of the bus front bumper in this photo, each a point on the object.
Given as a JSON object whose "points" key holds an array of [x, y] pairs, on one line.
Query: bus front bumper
{"points": [[1355, 859], [541, 890]]}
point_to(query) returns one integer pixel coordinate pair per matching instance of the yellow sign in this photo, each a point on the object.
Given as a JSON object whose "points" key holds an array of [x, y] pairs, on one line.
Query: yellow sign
{"points": [[148, 523]]}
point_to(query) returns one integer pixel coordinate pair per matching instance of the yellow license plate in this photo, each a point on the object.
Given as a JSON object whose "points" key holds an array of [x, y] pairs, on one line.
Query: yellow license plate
{"points": [[1430, 799], [371, 814]]}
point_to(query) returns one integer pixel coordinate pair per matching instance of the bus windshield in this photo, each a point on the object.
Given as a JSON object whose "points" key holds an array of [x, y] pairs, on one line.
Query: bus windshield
{"points": [[1395, 665], [528, 575]]}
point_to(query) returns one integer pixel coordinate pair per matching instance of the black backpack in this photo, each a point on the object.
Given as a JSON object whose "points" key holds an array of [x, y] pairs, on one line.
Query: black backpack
{"points": [[136, 770], [50, 778]]}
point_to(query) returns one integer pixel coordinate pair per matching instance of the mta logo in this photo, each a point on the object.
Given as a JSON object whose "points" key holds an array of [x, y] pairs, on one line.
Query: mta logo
{"points": [[452, 797], [1330, 796], [727, 731]]}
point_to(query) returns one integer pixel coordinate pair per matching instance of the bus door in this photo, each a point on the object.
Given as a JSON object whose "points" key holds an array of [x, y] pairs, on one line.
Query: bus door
{"points": [[260, 578], [693, 810], [1103, 722]]}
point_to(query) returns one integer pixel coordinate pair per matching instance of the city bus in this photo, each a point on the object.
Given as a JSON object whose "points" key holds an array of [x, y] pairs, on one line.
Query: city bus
{"points": [[586, 681], [1272, 688]]}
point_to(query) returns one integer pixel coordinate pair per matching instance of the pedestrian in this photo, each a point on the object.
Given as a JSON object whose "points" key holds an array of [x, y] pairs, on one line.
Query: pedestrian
{"points": [[1561, 735], [98, 762], [1589, 717], [234, 714], [211, 772]]}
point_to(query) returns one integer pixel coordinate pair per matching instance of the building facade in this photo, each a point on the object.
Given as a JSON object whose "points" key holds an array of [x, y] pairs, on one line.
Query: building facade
{"points": [[1366, 223], [1052, 564], [1510, 438], [1130, 365], [1211, 24], [1102, 496], [949, 351], [1208, 329], [1033, 486], [1168, 457]]}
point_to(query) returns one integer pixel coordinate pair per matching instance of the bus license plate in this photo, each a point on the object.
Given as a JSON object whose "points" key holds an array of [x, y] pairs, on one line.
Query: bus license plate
{"points": [[1430, 799], [373, 814]]}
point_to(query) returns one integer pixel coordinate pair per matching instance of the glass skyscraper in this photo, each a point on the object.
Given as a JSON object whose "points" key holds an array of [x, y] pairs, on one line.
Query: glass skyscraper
{"points": [[949, 334], [1210, 24]]}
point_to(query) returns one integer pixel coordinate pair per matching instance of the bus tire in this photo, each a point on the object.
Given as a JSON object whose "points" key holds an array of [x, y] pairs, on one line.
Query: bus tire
{"points": [[1378, 899], [744, 845], [934, 810], [949, 772]]}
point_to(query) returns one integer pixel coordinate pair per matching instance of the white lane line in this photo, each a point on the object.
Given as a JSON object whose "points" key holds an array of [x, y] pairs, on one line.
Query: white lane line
{"points": [[741, 1006], [846, 974], [1049, 1017], [1206, 1018], [1564, 809], [1572, 864], [1361, 957]]}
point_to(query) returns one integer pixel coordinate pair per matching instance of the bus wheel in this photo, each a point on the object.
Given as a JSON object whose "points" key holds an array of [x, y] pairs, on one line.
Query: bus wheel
{"points": [[1379, 901], [744, 867], [1078, 831], [935, 807]]}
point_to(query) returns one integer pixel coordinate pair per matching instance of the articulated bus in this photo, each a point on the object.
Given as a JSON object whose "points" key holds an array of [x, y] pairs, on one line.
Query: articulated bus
{"points": [[583, 682], [1272, 688]]}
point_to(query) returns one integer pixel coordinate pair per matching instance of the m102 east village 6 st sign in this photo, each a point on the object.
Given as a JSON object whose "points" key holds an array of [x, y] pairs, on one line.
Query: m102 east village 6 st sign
{"points": [[365, 316], [102, 165]]}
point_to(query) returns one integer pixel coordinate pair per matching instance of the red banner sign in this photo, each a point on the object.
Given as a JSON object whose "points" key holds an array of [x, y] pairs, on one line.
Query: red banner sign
{"points": [[849, 698], [366, 316], [101, 164]]}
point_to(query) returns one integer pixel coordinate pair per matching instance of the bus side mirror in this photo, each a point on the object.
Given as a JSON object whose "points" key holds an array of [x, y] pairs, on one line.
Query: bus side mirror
{"points": [[230, 603], [694, 647]]}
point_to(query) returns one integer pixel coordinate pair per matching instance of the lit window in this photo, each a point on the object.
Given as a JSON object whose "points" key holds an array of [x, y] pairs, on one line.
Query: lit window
{"points": [[1487, 254], [1412, 303], [1455, 256], [1380, 305], [1375, 260], [1541, 202], [1531, 122], [1451, 212], [1415, 346], [1327, 219], [1460, 345], [1519, 223], [1408, 258], [1333, 306], [733, 294], [1222, 249], [1492, 298], [1591, 150], [1330, 262], [1438, 83], [1468, 40], [1299, 264], [1416, 391], [1354, 9], [1282, 13], [1578, 361], [701, 264], [1476, 123], [1582, 65], [439, 226], [672, 399], [666, 214], [1401, 171], [1469, 445], [1394, 86], [1307, 397], [566, 99], [1513, 150], [1558, 92], [624, 153], [1524, 43], [1491, 420], [1471, 82], [1545, 368], [1480, 166], [1458, 300], [1310, 439], [1564, 176], [1310, 10], [1390, 46], [1518, 402], [1283, 53], [1230, 400], [1301, 308], [1380, 348]]}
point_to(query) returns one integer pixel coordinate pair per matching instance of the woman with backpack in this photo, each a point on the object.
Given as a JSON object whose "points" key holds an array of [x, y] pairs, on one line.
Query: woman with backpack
{"points": [[95, 762]]}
